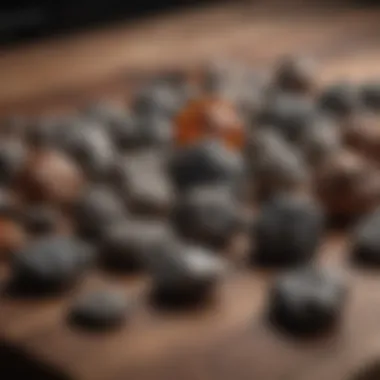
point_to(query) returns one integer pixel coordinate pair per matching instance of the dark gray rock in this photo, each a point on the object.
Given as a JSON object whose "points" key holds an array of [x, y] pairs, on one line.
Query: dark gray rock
{"points": [[287, 231], [307, 301], [206, 163], [100, 310], [184, 276], [366, 241], [97, 210], [341, 99], [50, 264], [126, 246], [208, 215]]}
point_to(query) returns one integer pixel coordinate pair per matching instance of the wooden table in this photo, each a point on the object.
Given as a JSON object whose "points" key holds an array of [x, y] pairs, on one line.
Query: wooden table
{"points": [[105, 62], [230, 339]]}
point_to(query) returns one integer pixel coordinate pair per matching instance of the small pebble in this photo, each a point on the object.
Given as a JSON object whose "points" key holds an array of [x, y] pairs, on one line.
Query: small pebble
{"points": [[50, 264], [126, 246], [117, 121], [206, 118], [274, 164], [50, 176], [341, 99], [99, 208], [307, 301], [366, 240], [362, 133], [321, 141], [12, 238], [347, 185], [208, 215], [207, 162], [287, 231], [185, 276], [289, 114], [159, 98], [141, 178], [91, 147], [296, 74], [100, 310], [371, 95], [154, 130], [13, 156]]}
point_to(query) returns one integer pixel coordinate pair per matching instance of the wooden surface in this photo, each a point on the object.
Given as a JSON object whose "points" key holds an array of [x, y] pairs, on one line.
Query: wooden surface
{"points": [[106, 62], [230, 339]]}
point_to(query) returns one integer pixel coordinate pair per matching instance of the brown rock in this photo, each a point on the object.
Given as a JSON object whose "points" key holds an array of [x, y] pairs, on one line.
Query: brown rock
{"points": [[50, 176], [209, 117], [362, 132], [296, 74], [348, 185]]}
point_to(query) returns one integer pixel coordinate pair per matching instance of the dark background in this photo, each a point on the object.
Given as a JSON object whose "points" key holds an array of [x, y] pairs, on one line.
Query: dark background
{"points": [[24, 20]]}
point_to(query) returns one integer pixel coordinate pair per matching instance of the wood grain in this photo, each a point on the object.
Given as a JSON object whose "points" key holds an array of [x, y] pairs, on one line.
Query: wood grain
{"points": [[229, 338], [106, 62]]}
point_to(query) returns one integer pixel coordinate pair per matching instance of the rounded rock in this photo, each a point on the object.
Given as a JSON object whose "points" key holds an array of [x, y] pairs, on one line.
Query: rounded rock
{"points": [[362, 133], [307, 301], [185, 276], [50, 264], [366, 241], [13, 157], [126, 246], [296, 74], [274, 165], [289, 114], [208, 162], [154, 130], [208, 215], [12, 238], [99, 208], [50, 176], [341, 99], [371, 95], [90, 146], [117, 121], [347, 185], [321, 141], [159, 98], [142, 180], [287, 231], [100, 310], [209, 118]]}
